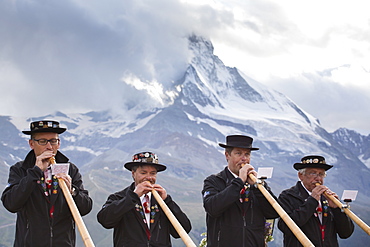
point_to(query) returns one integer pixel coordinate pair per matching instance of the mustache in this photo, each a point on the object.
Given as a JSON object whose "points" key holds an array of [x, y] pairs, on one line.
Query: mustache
{"points": [[150, 180]]}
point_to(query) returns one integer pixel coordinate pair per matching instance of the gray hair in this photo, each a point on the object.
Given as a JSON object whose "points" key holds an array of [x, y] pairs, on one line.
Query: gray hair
{"points": [[302, 171]]}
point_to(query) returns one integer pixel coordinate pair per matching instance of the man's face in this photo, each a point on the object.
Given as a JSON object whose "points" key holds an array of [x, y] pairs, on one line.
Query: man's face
{"points": [[145, 173], [311, 177], [237, 157], [39, 149]]}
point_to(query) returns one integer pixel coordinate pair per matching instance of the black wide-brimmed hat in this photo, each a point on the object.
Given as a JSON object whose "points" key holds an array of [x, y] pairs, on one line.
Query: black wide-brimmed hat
{"points": [[44, 126], [238, 141], [144, 159], [312, 161]]}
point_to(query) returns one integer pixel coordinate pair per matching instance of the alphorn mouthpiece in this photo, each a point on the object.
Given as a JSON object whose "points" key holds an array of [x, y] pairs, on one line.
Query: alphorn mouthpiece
{"points": [[52, 160]]}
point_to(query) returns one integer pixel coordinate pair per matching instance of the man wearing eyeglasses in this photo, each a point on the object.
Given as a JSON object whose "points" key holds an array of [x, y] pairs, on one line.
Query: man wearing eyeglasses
{"points": [[318, 217], [33, 192]]}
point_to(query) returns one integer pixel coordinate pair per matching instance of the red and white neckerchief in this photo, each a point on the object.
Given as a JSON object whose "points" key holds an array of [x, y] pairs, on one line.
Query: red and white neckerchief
{"points": [[145, 201], [319, 212], [48, 179], [48, 186], [322, 212]]}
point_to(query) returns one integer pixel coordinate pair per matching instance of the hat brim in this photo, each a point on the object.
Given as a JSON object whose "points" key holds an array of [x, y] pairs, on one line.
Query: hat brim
{"points": [[46, 130], [237, 146], [299, 166], [159, 167]]}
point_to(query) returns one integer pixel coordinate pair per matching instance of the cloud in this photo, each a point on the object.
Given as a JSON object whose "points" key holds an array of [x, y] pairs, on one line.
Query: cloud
{"points": [[287, 45], [78, 55], [64, 55], [334, 104], [75, 55]]}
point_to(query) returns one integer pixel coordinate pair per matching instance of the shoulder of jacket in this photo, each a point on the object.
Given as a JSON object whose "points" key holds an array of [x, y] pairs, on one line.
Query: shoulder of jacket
{"points": [[18, 164], [221, 176], [19, 167], [292, 192]]}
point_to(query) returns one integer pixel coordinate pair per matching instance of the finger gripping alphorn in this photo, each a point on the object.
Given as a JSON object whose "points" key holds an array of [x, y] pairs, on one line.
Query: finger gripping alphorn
{"points": [[74, 210], [176, 224], [283, 215], [347, 211]]}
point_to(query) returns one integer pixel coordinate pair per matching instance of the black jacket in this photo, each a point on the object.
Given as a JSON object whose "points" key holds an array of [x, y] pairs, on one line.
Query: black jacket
{"points": [[123, 212], [302, 209], [25, 196], [230, 222]]}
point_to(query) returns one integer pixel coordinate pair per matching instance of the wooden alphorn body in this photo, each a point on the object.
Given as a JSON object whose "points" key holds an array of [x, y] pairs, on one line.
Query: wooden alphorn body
{"points": [[283, 215], [176, 224], [74, 210], [347, 211]]}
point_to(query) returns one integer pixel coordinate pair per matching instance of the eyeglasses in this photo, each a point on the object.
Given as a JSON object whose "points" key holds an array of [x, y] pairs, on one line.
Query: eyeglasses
{"points": [[313, 174], [43, 142]]}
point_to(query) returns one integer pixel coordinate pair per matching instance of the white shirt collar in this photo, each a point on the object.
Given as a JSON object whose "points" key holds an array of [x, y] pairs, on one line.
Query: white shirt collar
{"points": [[232, 173], [309, 193]]}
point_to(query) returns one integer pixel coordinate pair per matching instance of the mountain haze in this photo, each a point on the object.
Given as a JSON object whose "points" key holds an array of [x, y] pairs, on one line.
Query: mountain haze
{"points": [[210, 101]]}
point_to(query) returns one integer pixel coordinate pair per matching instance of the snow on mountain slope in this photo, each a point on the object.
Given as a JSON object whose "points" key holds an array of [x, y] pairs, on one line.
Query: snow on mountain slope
{"points": [[224, 94]]}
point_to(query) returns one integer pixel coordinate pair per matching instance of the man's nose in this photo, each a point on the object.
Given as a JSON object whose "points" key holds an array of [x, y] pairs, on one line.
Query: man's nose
{"points": [[245, 157], [49, 146]]}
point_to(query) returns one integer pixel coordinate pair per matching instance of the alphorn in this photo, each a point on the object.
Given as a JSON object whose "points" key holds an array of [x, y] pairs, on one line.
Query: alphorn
{"points": [[176, 224], [74, 210], [347, 211], [283, 215]]}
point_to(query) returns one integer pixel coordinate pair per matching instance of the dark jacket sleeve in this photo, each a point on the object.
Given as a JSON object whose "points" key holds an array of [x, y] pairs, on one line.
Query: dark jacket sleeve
{"points": [[19, 187], [215, 199], [83, 201], [115, 207], [180, 216], [343, 223]]}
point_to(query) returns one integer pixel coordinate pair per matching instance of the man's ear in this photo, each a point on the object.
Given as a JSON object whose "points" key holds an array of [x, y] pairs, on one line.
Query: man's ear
{"points": [[31, 143], [227, 155]]}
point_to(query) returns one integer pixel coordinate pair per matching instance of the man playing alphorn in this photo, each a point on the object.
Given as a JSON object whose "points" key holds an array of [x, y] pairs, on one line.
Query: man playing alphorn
{"points": [[236, 210], [33, 192], [318, 217], [135, 215]]}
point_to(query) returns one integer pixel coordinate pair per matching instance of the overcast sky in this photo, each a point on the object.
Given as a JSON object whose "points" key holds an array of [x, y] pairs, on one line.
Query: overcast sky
{"points": [[78, 55]]}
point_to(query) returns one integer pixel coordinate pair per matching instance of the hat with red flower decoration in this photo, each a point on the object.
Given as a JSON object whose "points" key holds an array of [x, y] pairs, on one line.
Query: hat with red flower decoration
{"points": [[145, 159]]}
